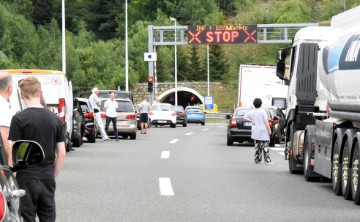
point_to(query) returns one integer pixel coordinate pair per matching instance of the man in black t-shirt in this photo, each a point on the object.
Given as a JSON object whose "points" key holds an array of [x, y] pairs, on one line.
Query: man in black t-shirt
{"points": [[41, 125]]}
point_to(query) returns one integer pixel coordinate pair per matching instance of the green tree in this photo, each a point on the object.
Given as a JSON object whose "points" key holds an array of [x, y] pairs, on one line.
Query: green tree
{"points": [[218, 63]]}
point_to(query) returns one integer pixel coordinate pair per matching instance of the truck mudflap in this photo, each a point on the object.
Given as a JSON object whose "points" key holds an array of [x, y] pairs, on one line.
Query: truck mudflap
{"points": [[323, 150]]}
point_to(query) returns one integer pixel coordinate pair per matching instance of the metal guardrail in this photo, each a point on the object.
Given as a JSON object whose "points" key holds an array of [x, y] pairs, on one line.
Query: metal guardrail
{"points": [[216, 115]]}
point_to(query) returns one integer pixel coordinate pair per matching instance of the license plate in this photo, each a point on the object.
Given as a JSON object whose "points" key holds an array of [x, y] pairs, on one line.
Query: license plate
{"points": [[246, 123], [161, 121]]}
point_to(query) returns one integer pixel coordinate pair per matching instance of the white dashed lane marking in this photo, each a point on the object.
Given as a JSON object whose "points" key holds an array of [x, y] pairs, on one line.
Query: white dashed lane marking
{"points": [[165, 154], [188, 134], [174, 140], [165, 187], [205, 129]]}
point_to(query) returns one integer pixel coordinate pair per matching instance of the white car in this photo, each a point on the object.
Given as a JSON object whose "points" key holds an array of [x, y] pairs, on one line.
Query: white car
{"points": [[163, 114]]}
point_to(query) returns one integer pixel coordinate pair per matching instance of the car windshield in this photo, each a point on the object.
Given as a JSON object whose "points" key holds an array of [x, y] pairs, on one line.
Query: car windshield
{"points": [[123, 106], [160, 107], [241, 111]]}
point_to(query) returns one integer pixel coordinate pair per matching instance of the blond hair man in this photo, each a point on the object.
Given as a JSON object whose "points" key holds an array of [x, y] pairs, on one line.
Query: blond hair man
{"points": [[41, 125]]}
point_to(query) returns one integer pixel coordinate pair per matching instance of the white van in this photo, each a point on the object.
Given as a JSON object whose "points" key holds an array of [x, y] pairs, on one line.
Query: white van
{"points": [[57, 93]]}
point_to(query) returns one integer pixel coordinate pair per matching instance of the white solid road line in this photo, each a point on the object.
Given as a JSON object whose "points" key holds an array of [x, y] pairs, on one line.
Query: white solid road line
{"points": [[165, 187], [165, 154], [188, 134], [174, 140]]}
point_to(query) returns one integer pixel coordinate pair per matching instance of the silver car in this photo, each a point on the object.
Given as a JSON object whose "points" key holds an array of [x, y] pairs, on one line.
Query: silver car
{"points": [[126, 119]]}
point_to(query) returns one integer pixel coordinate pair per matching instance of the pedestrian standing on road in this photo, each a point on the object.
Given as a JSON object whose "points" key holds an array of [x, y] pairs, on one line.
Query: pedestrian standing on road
{"points": [[6, 112], [110, 108], [260, 131], [144, 115], [39, 124], [95, 103]]}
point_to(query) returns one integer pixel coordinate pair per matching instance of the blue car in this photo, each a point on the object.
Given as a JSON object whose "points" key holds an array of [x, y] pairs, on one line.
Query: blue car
{"points": [[194, 114]]}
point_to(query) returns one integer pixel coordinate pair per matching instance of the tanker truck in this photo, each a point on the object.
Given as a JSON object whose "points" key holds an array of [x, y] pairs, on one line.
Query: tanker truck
{"points": [[322, 70]]}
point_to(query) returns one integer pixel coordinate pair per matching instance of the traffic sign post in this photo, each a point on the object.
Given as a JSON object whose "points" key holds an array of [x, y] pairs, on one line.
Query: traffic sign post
{"points": [[209, 102]]}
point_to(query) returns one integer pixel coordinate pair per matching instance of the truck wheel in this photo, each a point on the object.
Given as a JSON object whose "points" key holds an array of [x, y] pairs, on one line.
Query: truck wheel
{"points": [[293, 169], [336, 168], [345, 172], [355, 185], [308, 169]]}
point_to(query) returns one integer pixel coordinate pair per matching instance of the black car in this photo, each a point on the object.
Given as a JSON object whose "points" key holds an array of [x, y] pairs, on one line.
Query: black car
{"points": [[239, 129], [279, 121], [90, 128], [78, 125], [24, 153], [180, 115]]}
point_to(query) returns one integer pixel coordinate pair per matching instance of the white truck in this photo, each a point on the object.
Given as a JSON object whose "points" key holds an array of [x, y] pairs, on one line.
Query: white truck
{"points": [[57, 94], [259, 81], [322, 69]]}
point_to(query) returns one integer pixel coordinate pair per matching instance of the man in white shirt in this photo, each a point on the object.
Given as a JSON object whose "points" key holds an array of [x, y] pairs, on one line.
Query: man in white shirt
{"points": [[110, 107], [95, 103], [144, 115], [6, 113]]}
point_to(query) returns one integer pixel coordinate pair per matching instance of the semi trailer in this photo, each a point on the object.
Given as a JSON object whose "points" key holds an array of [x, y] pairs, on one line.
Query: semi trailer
{"points": [[322, 70]]}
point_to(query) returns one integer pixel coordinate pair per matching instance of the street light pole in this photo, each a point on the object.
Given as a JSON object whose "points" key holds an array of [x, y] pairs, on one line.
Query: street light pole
{"points": [[63, 40], [126, 48], [176, 100]]}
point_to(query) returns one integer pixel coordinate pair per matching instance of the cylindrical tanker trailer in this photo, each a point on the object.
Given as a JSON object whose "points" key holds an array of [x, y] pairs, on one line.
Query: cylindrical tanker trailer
{"points": [[322, 69]]}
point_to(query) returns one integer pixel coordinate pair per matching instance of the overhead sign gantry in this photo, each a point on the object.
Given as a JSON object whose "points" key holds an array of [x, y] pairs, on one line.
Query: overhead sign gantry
{"points": [[221, 34]]}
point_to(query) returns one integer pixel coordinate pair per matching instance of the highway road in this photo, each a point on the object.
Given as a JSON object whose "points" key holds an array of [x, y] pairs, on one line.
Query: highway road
{"points": [[189, 174]]}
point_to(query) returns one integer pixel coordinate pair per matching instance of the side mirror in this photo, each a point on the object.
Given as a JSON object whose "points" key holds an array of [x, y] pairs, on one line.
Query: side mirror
{"points": [[25, 153]]}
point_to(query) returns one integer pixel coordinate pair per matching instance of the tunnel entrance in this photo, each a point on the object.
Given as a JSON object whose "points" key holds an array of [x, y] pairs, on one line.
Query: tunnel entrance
{"points": [[185, 96]]}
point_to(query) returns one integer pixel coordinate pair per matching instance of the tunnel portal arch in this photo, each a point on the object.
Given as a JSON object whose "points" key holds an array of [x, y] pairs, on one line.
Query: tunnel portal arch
{"points": [[186, 96]]}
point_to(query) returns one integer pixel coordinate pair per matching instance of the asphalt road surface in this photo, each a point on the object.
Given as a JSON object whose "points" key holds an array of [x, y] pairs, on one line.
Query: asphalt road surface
{"points": [[189, 174]]}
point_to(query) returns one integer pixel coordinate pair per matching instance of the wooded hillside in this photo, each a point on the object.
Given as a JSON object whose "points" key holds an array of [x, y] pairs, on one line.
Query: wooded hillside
{"points": [[30, 36]]}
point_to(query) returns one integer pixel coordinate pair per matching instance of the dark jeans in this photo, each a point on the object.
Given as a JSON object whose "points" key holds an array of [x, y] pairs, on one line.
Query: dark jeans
{"points": [[39, 199], [113, 120]]}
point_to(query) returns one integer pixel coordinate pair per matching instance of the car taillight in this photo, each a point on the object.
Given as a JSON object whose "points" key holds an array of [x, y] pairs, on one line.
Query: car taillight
{"points": [[271, 124], [103, 115], [275, 122], [61, 109], [233, 122], [151, 113], [173, 113], [182, 114], [2, 206], [89, 115], [130, 116]]}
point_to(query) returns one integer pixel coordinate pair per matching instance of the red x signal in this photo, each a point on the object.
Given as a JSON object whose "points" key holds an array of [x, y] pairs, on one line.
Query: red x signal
{"points": [[250, 36], [194, 37]]}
